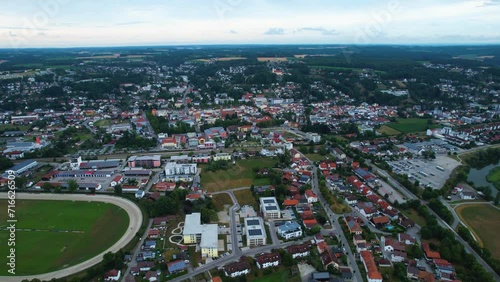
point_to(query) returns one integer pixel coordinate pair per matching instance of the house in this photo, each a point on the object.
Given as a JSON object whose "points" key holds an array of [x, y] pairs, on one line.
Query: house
{"points": [[351, 200], [406, 239], [290, 203], [380, 221], [428, 253], [268, 260], [328, 258], [467, 195], [151, 276], [354, 227], [238, 268], [406, 223], [160, 221], [297, 251], [321, 276], [290, 230], [145, 265], [176, 266], [112, 275], [310, 223], [150, 244], [153, 233], [311, 196], [372, 273]]}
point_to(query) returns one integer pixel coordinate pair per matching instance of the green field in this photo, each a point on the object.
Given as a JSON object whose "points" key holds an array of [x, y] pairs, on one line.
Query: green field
{"points": [[279, 276], [239, 175], [102, 122], [220, 200], [484, 220], [316, 157], [51, 235], [245, 197], [388, 130], [494, 177], [410, 125], [11, 127]]}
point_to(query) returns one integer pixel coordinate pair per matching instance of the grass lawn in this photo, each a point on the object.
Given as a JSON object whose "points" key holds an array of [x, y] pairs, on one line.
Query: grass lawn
{"points": [[409, 125], [58, 234], [102, 122], [483, 221], [316, 157], [494, 176], [220, 200], [245, 197], [12, 127], [388, 130], [279, 276], [239, 175], [413, 215]]}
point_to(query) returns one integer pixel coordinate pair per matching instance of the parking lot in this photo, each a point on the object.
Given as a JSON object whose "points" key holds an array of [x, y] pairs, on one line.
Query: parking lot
{"points": [[429, 173]]}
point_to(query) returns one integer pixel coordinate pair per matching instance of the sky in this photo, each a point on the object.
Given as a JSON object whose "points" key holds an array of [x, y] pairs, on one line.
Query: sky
{"points": [[83, 23]]}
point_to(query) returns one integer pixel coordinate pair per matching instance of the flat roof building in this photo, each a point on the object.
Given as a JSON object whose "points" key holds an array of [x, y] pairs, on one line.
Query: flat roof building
{"points": [[23, 167], [255, 231], [270, 208], [144, 161], [204, 234]]}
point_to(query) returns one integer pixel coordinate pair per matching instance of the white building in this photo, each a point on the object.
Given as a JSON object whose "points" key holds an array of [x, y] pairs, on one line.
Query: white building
{"points": [[173, 168], [270, 208], [467, 195], [255, 231], [315, 137], [205, 234], [222, 157], [290, 230]]}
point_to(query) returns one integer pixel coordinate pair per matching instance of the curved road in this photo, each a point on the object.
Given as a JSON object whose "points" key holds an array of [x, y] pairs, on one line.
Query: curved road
{"points": [[133, 211]]}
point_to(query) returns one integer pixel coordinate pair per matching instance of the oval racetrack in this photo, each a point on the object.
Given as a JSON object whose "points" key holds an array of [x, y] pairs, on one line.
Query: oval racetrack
{"points": [[135, 222]]}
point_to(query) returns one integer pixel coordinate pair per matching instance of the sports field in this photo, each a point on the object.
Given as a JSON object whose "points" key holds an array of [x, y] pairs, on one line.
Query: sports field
{"points": [[410, 125], [51, 235], [239, 175], [485, 223]]}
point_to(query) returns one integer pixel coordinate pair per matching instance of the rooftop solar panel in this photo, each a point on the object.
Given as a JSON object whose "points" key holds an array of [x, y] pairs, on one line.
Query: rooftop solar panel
{"points": [[255, 232], [252, 222]]}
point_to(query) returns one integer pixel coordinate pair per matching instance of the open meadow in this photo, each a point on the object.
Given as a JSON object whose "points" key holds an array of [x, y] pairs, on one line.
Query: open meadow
{"points": [[484, 220], [239, 175]]}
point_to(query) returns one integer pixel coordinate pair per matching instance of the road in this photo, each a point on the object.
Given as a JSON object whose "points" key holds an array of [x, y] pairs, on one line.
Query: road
{"points": [[133, 211], [137, 249], [236, 251], [441, 222], [334, 219]]}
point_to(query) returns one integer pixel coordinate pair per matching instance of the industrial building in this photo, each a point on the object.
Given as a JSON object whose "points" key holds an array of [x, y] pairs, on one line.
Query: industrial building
{"points": [[204, 234], [255, 231], [270, 208], [23, 167]]}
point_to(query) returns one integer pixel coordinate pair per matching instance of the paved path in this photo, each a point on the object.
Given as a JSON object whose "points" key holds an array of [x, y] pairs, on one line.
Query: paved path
{"points": [[133, 211]]}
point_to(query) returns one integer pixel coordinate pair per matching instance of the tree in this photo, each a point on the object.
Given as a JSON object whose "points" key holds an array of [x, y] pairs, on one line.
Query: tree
{"points": [[5, 163], [118, 189], [72, 185], [497, 199], [47, 186]]}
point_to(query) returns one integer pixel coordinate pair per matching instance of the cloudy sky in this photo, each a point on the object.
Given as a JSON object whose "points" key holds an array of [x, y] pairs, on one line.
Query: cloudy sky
{"points": [[73, 23]]}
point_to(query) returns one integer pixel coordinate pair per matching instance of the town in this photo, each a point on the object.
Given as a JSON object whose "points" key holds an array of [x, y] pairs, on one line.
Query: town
{"points": [[262, 168]]}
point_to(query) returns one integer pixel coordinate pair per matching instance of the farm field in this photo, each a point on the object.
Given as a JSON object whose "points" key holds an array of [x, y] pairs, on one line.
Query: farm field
{"points": [[51, 235], [272, 59], [484, 222], [410, 125], [238, 175]]}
